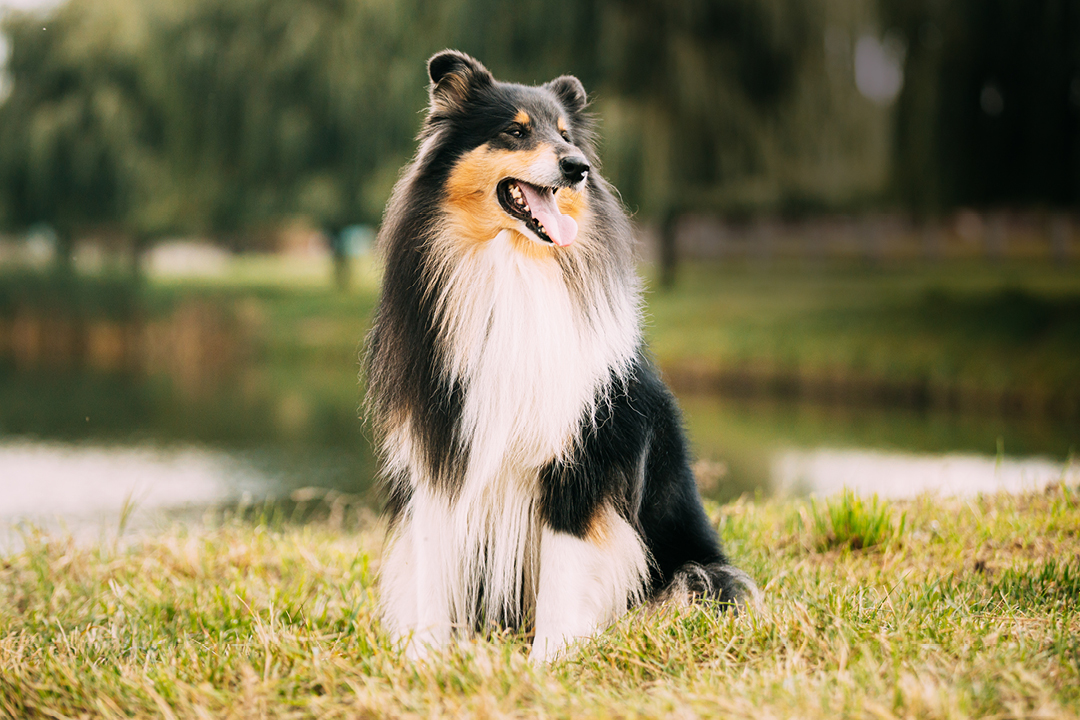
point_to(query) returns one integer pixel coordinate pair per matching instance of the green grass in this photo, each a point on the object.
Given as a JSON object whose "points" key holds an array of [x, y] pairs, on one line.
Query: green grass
{"points": [[965, 327], [971, 611], [854, 522], [976, 331]]}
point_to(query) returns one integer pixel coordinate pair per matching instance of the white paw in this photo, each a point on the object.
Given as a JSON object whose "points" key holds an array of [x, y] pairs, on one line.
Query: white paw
{"points": [[546, 649]]}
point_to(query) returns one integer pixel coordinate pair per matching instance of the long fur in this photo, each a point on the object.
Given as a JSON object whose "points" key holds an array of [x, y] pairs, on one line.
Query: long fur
{"points": [[533, 459]]}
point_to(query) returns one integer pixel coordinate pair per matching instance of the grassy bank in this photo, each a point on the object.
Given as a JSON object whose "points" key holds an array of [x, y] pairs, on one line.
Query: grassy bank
{"points": [[976, 337], [962, 336], [934, 608]]}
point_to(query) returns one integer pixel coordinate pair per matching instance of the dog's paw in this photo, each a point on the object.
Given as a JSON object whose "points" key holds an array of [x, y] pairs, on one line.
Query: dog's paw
{"points": [[549, 648]]}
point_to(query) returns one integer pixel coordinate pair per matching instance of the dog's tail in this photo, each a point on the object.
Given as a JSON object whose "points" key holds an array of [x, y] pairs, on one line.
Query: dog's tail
{"points": [[722, 583]]}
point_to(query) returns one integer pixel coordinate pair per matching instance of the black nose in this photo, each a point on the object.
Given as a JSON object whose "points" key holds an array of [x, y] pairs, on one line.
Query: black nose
{"points": [[574, 167]]}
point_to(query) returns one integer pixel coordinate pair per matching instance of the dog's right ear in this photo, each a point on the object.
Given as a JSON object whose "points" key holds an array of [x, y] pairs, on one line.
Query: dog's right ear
{"points": [[454, 78]]}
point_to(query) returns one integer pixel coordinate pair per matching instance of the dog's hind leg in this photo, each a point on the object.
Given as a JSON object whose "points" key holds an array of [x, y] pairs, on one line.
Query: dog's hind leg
{"points": [[586, 582]]}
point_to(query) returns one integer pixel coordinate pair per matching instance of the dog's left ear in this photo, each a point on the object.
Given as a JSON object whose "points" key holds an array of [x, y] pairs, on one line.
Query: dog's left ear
{"points": [[455, 77], [570, 92]]}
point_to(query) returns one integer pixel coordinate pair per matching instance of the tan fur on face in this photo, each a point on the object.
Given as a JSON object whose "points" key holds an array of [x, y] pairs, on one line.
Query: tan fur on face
{"points": [[474, 208], [522, 118]]}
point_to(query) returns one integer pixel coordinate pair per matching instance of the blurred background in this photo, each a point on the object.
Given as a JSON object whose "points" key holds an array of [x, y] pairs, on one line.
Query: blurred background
{"points": [[858, 222]]}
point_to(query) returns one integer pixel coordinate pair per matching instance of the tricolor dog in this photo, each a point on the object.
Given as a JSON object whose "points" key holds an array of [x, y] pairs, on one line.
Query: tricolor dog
{"points": [[537, 472]]}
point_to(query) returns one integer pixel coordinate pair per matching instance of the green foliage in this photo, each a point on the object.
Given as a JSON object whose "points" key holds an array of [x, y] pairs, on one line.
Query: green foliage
{"points": [[274, 108], [153, 117], [69, 295], [854, 522], [203, 117], [77, 131]]}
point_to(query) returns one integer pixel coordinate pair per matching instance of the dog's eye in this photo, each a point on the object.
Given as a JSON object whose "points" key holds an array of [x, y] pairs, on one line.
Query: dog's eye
{"points": [[515, 131], [565, 135]]}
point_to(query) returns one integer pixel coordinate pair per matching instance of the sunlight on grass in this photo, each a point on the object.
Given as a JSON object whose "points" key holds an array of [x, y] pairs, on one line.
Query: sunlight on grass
{"points": [[973, 614]]}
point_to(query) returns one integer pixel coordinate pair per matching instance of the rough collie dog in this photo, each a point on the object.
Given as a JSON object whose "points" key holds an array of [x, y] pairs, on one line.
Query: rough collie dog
{"points": [[537, 472]]}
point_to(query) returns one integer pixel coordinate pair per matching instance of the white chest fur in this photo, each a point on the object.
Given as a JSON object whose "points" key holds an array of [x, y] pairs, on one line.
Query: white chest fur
{"points": [[532, 356]]}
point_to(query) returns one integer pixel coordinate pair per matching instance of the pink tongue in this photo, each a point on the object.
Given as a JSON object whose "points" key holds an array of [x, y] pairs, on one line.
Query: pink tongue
{"points": [[562, 229]]}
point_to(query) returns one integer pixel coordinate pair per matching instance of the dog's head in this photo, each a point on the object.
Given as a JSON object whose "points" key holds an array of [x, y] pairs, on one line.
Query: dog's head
{"points": [[519, 157]]}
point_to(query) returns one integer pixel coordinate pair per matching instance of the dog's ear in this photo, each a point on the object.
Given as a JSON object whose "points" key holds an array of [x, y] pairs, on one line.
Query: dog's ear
{"points": [[454, 78], [570, 91]]}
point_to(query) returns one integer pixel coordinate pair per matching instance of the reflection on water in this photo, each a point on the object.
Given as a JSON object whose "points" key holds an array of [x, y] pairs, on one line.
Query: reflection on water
{"points": [[42, 478], [899, 475], [75, 452], [93, 489], [77, 448], [791, 447]]}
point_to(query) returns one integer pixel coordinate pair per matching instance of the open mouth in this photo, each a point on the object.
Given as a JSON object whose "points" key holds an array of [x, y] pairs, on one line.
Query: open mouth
{"points": [[535, 206]]}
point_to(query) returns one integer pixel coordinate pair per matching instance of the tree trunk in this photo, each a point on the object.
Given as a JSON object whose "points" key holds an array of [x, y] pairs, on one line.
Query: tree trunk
{"points": [[668, 247], [342, 267]]}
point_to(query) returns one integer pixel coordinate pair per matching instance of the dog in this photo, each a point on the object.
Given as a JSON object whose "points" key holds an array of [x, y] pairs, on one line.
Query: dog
{"points": [[537, 474]]}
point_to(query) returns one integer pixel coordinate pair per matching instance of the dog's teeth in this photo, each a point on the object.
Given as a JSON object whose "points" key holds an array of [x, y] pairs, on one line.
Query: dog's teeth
{"points": [[518, 198]]}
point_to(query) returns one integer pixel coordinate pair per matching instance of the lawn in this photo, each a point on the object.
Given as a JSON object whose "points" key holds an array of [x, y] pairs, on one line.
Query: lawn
{"points": [[965, 336], [961, 335], [932, 608]]}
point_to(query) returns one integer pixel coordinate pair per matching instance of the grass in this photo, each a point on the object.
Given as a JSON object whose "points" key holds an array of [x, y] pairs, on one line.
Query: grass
{"points": [[853, 522], [984, 325], [976, 331], [969, 336], [948, 328], [970, 611]]}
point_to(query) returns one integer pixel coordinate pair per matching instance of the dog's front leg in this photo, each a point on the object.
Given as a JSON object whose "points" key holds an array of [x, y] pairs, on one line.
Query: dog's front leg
{"points": [[418, 593], [586, 582]]}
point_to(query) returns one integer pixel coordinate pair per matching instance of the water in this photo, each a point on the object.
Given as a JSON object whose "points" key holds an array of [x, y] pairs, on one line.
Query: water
{"points": [[92, 489], [906, 476], [791, 448], [90, 455], [86, 453]]}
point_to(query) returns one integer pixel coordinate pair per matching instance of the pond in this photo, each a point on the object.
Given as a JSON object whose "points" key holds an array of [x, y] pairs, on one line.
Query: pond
{"points": [[800, 448], [94, 454]]}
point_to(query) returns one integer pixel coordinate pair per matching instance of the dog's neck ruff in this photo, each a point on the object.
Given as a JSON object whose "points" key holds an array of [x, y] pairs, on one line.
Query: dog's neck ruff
{"points": [[534, 342]]}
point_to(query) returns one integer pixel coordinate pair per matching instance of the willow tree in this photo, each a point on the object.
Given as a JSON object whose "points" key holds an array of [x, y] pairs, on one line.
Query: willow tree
{"points": [[280, 107], [216, 118], [77, 135], [225, 117]]}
